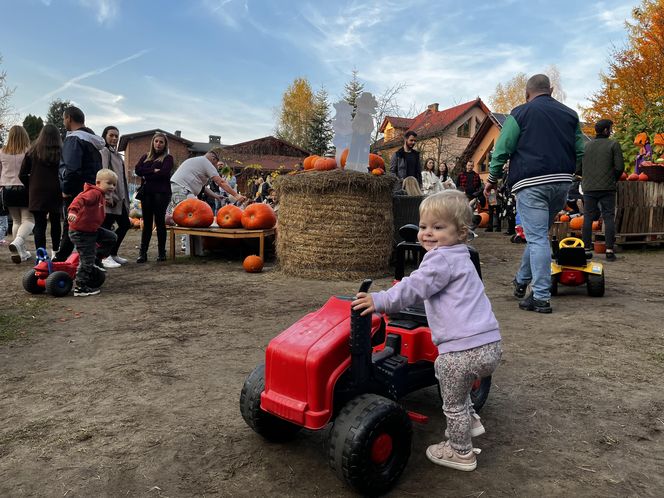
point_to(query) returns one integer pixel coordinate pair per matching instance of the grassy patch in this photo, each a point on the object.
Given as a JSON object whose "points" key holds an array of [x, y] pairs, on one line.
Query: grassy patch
{"points": [[658, 357], [17, 321]]}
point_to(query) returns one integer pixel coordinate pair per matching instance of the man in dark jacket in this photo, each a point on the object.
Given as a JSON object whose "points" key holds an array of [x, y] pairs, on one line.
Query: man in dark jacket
{"points": [[469, 181], [79, 164], [405, 162], [543, 142], [601, 168]]}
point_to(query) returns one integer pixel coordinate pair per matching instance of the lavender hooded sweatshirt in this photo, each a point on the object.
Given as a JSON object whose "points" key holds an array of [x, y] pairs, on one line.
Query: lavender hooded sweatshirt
{"points": [[457, 308]]}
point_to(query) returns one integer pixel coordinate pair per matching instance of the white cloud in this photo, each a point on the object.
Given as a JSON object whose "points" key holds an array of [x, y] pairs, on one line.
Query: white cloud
{"points": [[105, 10], [229, 12]]}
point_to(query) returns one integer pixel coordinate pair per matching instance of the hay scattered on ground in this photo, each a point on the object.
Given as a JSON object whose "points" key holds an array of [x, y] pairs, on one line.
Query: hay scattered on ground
{"points": [[335, 224]]}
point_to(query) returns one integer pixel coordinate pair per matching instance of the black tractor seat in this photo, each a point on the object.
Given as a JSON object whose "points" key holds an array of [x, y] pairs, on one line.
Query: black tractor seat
{"points": [[572, 256]]}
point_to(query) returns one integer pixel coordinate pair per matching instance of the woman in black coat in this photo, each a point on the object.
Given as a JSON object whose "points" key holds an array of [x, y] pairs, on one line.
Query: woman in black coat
{"points": [[39, 173]]}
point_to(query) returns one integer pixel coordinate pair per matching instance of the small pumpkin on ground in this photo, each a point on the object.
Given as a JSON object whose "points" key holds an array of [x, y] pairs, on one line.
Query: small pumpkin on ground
{"points": [[193, 213], [325, 164], [253, 264], [229, 216], [258, 216], [378, 171]]}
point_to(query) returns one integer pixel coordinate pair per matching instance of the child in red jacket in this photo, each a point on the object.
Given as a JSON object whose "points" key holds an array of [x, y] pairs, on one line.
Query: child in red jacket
{"points": [[86, 214]]}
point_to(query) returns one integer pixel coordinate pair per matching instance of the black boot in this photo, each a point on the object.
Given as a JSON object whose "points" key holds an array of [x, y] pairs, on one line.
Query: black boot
{"points": [[161, 257], [142, 258]]}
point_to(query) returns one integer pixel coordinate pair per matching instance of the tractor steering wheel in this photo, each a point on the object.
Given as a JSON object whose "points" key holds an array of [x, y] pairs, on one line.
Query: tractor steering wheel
{"points": [[570, 242]]}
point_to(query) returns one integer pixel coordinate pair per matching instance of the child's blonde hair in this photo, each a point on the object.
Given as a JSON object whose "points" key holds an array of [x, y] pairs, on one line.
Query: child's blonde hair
{"points": [[451, 206], [411, 186], [107, 174]]}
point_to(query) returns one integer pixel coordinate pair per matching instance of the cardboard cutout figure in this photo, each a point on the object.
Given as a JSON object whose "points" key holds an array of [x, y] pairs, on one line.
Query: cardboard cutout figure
{"points": [[342, 126], [363, 125]]}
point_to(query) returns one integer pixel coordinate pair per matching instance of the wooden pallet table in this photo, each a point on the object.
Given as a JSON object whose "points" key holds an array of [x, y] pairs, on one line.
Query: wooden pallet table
{"points": [[222, 233], [639, 212]]}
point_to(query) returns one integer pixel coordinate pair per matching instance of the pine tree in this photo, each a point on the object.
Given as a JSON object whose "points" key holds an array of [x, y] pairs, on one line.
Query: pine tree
{"points": [[320, 127], [33, 125], [54, 116], [352, 91]]}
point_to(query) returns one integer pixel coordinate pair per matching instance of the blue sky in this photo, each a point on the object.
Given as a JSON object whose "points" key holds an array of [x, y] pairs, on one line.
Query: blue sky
{"points": [[221, 66]]}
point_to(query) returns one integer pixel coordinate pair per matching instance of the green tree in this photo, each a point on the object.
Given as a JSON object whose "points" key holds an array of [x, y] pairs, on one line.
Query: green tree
{"points": [[54, 116], [352, 91], [33, 125], [320, 127], [294, 116], [632, 122], [5, 107]]}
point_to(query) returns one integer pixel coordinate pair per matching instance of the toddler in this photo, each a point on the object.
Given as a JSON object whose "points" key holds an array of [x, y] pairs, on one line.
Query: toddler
{"points": [[85, 215], [463, 326]]}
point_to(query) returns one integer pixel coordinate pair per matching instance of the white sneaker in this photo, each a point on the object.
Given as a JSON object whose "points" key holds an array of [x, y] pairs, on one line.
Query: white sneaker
{"points": [[119, 259], [110, 263]]}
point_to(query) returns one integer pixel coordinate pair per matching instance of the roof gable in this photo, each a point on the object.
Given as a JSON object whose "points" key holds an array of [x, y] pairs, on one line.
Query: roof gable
{"points": [[396, 122], [269, 146], [430, 122]]}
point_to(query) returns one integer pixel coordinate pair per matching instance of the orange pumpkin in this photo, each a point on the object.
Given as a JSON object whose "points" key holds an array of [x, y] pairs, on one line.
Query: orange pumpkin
{"points": [[253, 264], [344, 157], [325, 164], [193, 213], [633, 177], [659, 139], [378, 171], [623, 177], [484, 219], [643, 177], [308, 162], [258, 216], [375, 161], [229, 216], [565, 217], [597, 225], [576, 223]]}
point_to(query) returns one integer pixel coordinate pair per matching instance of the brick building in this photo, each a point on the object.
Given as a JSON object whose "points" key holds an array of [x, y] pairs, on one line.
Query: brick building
{"points": [[442, 135]]}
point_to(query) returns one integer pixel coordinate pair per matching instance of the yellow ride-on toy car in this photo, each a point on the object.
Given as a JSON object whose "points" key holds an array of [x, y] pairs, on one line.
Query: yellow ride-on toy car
{"points": [[572, 267]]}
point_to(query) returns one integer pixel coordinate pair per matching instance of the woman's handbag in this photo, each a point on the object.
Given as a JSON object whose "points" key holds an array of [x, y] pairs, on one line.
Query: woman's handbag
{"points": [[140, 192]]}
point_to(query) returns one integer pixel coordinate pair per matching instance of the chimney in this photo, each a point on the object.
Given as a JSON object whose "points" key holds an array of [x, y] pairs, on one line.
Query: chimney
{"points": [[215, 139], [433, 107], [178, 133]]}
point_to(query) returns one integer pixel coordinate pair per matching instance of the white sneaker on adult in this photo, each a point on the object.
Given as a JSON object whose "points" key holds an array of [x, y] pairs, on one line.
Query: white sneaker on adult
{"points": [[119, 259], [110, 263]]}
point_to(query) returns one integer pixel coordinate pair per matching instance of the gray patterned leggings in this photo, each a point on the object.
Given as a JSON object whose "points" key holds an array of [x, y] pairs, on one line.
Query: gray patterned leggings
{"points": [[456, 373]]}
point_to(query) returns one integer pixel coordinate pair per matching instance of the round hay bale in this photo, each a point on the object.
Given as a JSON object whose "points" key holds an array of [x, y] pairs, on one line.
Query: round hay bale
{"points": [[334, 224]]}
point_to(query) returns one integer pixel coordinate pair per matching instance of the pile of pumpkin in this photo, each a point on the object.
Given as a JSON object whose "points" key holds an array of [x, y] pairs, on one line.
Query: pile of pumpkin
{"points": [[634, 177], [576, 223], [194, 213], [318, 163]]}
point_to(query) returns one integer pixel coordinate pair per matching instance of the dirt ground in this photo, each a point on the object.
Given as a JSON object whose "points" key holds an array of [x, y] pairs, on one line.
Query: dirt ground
{"points": [[135, 392]]}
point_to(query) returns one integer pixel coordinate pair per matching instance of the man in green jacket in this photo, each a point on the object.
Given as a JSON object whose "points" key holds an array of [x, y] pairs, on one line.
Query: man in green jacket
{"points": [[601, 168]]}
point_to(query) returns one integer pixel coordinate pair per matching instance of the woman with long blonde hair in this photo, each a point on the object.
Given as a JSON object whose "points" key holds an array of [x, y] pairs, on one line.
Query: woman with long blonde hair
{"points": [[14, 193]]}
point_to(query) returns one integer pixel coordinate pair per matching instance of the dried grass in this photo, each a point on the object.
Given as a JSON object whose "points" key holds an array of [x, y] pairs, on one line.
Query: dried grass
{"points": [[334, 224]]}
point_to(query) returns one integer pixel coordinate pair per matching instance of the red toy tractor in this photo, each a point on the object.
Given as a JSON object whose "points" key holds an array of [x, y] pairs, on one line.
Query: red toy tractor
{"points": [[56, 279], [335, 366]]}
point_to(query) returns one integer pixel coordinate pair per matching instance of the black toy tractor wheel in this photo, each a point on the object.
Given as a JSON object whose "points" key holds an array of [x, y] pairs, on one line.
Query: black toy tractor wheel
{"points": [[595, 285], [59, 283], [30, 283], [370, 443], [98, 278], [267, 425], [554, 285]]}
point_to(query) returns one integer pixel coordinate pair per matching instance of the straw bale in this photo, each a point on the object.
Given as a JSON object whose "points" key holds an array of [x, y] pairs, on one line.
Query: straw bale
{"points": [[335, 224]]}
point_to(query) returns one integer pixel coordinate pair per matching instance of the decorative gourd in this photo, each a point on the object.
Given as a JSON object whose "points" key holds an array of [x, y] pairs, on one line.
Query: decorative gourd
{"points": [[378, 171], [258, 216], [623, 177], [565, 217], [308, 162], [193, 213], [344, 157], [253, 264], [643, 177], [229, 216], [375, 161], [325, 164], [576, 223], [633, 177]]}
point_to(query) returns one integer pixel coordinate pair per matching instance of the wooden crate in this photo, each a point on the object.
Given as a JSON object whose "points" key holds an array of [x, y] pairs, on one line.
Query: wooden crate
{"points": [[639, 208]]}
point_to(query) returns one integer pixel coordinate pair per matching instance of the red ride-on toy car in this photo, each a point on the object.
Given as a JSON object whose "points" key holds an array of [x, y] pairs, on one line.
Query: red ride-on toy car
{"points": [[56, 279], [335, 366]]}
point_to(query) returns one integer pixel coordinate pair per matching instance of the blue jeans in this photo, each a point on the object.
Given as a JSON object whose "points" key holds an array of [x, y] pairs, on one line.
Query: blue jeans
{"points": [[537, 207]]}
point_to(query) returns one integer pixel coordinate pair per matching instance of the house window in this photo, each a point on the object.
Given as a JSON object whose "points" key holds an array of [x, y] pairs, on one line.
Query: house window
{"points": [[463, 131], [477, 124]]}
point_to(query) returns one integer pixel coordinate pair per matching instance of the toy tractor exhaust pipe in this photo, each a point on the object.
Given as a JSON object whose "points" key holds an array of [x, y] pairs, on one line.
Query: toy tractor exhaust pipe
{"points": [[360, 344]]}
